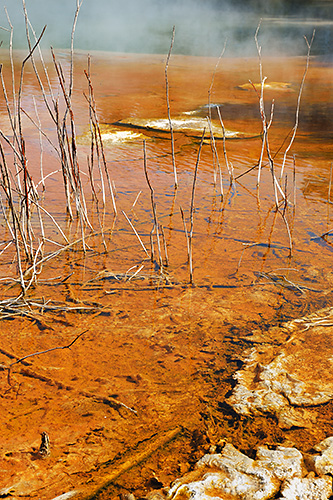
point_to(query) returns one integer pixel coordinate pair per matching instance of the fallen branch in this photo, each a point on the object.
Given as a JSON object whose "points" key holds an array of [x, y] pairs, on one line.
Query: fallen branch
{"points": [[68, 346], [109, 401], [132, 458]]}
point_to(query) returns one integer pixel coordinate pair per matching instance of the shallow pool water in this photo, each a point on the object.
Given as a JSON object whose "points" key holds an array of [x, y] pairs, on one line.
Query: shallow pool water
{"points": [[158, 352]]}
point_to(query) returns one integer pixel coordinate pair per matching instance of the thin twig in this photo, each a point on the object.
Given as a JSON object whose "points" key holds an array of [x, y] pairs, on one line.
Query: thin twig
{"points": [[186, 233], [227, 163], [68, 346], [153, 204], [266, 126], [210, 114], [213, 146], [309, 46], [135, 232], [192, 208], [98, 139], [136, 200], [168, 106]]}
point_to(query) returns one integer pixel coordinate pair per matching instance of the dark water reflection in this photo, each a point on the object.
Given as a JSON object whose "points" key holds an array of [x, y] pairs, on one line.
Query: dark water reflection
{"points": [[316, 119]]}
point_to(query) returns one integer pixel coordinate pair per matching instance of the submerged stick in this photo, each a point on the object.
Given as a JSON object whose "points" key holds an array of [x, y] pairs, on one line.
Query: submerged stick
{"points": [[141, 452], [68, 346], [20, 360]]}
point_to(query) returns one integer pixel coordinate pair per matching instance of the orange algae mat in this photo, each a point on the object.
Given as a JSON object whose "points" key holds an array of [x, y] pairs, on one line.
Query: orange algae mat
{"points": [[140, 395]]}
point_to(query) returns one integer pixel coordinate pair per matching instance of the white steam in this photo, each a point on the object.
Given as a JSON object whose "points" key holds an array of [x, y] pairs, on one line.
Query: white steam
{"points": [[145, 26]]}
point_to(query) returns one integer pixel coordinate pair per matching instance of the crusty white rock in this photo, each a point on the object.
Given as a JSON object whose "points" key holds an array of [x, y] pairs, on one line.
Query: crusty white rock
{"points": [[279, 473], [318, 488], [290, 380]]}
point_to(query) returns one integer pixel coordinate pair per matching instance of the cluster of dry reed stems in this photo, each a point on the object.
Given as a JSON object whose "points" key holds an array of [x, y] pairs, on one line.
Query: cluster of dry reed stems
{"points": [[280, 190], [280, 182], [21, 204], [18, 188]]}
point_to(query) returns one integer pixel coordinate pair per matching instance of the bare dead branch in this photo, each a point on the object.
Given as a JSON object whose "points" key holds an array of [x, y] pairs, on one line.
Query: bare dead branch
{"points": [[168, 107]]}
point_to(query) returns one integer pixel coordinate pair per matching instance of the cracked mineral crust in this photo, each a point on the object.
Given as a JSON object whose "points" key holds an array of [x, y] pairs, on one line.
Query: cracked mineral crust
{"points": [[279, 473], [287, 381]]}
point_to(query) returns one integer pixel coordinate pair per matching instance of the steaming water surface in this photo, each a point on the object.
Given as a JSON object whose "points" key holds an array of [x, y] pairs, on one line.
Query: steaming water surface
{"points": [[202, 27]]}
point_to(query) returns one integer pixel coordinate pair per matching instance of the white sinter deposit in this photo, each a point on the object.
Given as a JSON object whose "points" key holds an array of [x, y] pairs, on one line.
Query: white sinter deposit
{"points": [[282, 474], [291, 379]]}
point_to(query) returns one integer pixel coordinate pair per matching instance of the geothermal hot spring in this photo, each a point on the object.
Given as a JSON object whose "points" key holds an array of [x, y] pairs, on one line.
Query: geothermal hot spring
{"points": [[137, 307]]}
